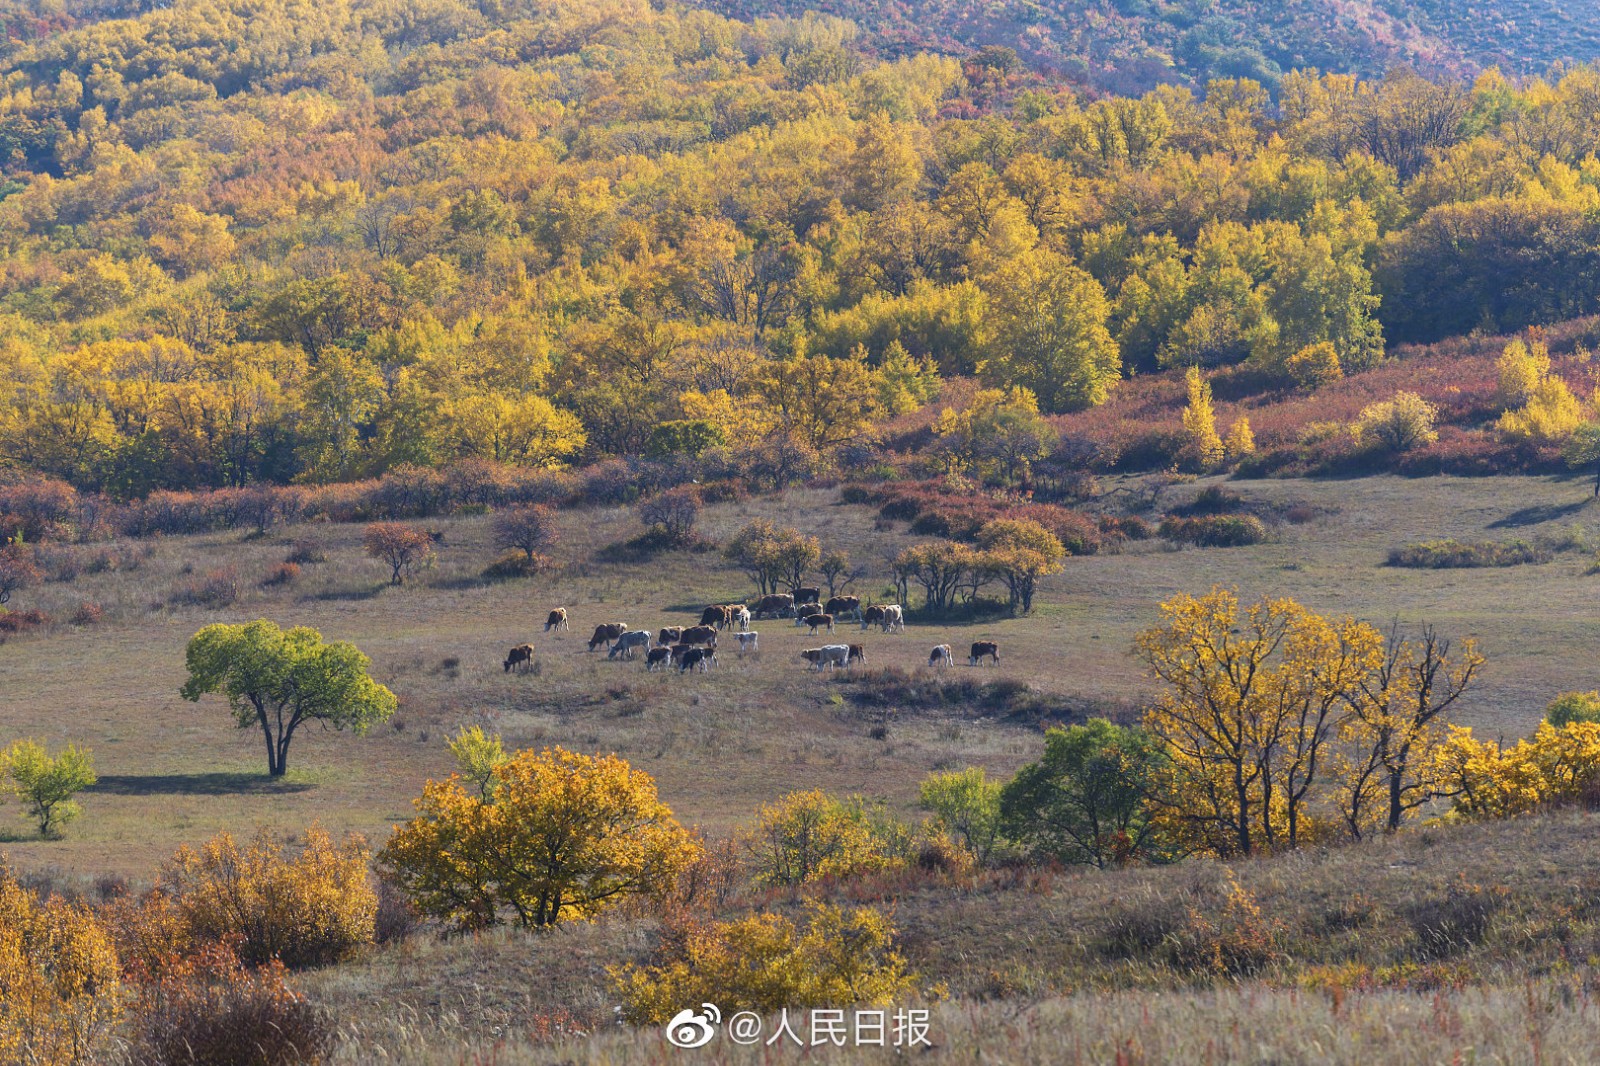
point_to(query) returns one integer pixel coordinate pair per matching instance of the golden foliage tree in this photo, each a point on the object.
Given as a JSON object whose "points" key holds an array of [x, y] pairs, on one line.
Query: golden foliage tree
{"points": [[1204, 446], [560, 836]]}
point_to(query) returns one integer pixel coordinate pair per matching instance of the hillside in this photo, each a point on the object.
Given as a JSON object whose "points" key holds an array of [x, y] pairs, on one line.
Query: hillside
{"points": [[1132, 45]]}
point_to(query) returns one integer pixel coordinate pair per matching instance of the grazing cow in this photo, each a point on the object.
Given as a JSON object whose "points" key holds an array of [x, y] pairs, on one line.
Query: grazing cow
{"points": [[556, 619], [521, 655], [873, 616], [941, 656], [700, 635], [658, 658], [982, 649], [715, 615], [802, 611], [679, 651], [819, 621], [827, 657], [630, 642], [776, 605], [839, 606], [858, 654], [669, 635], [606, 632], [740, 615], [894, 618], [748, 641], [698, 659], [805, 594]]}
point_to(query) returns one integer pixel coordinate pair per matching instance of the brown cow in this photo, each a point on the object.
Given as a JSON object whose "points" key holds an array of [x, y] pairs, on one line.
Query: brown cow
{"points": [[521, 655], [984, 649], [858, 654], [807, 594], [819, 621], [838, 606], [679, 651], [605, 633], [700, 635], [556, 619], [776, 605], [873, 615], [669, 635], [715, 615]]}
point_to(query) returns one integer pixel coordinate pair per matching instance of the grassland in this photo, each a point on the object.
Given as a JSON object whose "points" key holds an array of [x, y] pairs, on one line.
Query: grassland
{"points": [[1026, 956]]}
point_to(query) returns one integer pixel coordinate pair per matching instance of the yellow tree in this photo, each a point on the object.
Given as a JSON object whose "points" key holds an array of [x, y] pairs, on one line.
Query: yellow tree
{"points": [[1200, 422], [557, 835], [1248, 716], [1395, 727]]}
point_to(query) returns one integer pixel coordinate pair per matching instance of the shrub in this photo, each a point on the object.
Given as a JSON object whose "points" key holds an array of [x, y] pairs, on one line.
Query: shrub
{"points": [[1216, 531], [60, 986], [1572, 707], [207, 1009], [38, 509], [1233, 940], [1398, 424], [529, 530], [305, 553], [810, 835], [560, 836], [404, 548], [1557, 765], [1455, 554], [670, 516], [46, 785], [310, 907], [1212, 500], [514, 565], [88, 614], [216, 589], [14, 622], [17, 570], [764, 963], [966, 806], [280, 575]]}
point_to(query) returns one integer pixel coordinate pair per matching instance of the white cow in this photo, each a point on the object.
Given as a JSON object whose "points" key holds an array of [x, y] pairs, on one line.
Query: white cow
{"points": [[750, 641], [828, 657], [630, 642], [741, 616], [894, 618], [941, 656]]}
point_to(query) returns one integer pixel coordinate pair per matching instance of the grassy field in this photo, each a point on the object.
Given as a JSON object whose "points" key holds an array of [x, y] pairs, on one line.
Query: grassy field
{"points": [[722, 743]]}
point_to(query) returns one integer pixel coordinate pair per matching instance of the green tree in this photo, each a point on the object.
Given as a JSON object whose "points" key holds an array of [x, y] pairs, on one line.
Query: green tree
{"points": [[479, 754], [48, 784], [1050, 332], [1084, 801], [1583, 449], [965, 805], [280, 679]]}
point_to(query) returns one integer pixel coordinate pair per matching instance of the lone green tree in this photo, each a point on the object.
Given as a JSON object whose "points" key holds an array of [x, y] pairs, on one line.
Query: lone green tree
{"points": [[1583, 450], [280, 679], [46, 785]]}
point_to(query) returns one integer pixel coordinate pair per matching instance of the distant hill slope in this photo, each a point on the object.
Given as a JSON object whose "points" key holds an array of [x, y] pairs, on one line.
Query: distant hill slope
{"points": [[1130, 45]]}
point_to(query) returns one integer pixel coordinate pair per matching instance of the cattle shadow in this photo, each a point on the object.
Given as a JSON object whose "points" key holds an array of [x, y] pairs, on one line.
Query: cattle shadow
{"points": [[208, 784], [1538, 514]]}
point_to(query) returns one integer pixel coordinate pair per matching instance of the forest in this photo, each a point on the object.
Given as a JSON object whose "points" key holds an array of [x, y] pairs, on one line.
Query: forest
{"points": [[310, 244]]}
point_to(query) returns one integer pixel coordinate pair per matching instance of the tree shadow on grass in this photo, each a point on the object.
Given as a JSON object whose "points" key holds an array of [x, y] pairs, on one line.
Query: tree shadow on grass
{"points": [[212, 784], [1539, 514], [365, 593]]}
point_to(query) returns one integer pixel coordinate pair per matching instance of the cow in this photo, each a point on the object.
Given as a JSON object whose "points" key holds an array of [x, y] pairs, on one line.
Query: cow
{"points": [[698, 659], [827, 657], [858, 654], [556, 619], [805, 594], [873, 616], [984, 649], [748, 641], [894, 618], [658, 658], [941, 655], [819, 621], [630, 642], [776, 605], [715, 615], [740, 615], [678, 651], [839, 606], [606, 632], [521, 655], [802, 611], [699, 635], [669, 635]]}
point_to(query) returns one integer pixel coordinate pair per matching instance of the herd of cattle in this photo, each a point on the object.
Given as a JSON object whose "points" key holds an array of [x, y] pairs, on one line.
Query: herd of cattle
{"points": [[694, 647]]}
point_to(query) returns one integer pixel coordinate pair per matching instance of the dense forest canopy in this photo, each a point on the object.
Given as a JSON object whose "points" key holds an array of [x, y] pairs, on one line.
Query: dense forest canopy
{"points": [[283, 240]]}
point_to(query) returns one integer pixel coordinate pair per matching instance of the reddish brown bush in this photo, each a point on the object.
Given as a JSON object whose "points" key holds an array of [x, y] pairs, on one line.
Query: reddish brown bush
{"points": [[282, 574], [88, 614], [216, 589]]}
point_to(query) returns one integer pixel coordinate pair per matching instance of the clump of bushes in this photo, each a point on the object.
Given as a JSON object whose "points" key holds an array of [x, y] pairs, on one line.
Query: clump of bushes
{"points": [[215, 589], [280, 575], [1215, 531], [1452, 554]]}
